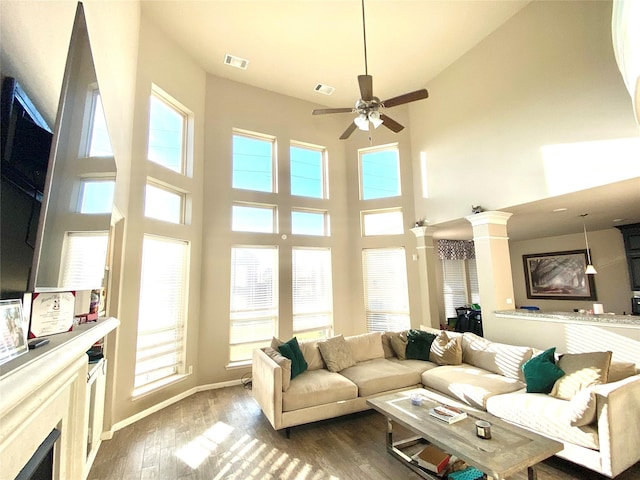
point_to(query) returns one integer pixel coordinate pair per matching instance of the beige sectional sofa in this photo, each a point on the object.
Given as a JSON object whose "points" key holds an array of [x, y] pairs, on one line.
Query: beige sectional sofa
{"points": [[600, 428]]}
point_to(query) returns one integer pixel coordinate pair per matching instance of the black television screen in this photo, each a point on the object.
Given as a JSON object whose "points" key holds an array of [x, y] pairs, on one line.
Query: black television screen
{"points": [[25, 146]]}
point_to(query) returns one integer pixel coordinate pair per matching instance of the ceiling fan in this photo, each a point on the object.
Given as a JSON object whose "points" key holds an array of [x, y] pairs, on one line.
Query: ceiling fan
{"points": [[368, 106]]}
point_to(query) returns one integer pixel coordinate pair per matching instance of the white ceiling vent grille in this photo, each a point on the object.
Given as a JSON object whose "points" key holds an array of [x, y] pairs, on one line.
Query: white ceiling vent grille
{"points": [[325, 89], [236, 61]]}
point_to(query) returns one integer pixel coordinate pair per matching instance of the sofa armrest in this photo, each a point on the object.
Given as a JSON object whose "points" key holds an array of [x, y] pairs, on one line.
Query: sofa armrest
{"points": [[618, 406], [266, 381]]}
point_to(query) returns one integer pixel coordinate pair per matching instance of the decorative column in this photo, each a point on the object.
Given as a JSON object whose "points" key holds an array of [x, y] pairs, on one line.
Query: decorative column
{"points": [[493, 262], [427, 270]]}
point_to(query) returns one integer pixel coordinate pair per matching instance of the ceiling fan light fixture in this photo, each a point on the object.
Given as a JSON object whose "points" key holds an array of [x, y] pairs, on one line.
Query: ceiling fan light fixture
{"points": [[374, 118], [362, 122]]}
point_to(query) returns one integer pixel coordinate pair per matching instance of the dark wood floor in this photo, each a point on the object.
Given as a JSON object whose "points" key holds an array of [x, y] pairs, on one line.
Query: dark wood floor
{"points": [[222, 434]]}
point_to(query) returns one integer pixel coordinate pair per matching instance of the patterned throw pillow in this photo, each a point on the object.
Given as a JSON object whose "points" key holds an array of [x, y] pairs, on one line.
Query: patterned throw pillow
{"points": [[336, 353]]}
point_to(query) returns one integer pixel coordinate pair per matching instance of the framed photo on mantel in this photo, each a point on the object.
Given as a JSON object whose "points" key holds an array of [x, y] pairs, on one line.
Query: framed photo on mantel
{"points": [[51, 312], [13, 330], [558, 276]]}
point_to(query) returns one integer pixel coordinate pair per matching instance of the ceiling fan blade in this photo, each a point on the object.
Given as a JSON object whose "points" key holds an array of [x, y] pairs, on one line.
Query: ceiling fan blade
{"points": [[366, 87], [350, 129], [390, 123], [322, 111], [406, 98]]}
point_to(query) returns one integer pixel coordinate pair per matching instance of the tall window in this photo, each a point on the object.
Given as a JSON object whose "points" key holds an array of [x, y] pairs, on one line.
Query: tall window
{"points": [[99, 141], [308, 177], [96, 196], [253, 162], [454, 286], [386, 292], [167, 128], [84, 256], [254, 299], [162, 314], [312, 294], [379, 173], [460, 276]]}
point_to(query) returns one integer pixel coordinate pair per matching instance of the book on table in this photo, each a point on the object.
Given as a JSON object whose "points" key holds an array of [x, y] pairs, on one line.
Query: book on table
{"points": [[447, 413], [432, 458]]}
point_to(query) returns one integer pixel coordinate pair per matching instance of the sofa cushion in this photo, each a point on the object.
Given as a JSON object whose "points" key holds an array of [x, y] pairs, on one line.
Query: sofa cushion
{"points": [[419, 344], [620, 371], [581, 370], [544, 414], [380, 375], [317, 387], [285, 365], [496, 357], [336, 353], [291, 350], [446, 350], [541, 372], [366, 346], [415, 365], [469, 384]]}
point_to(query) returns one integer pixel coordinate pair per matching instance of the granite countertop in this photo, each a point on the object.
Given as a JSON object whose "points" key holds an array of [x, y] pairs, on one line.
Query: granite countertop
{"points": [[572, 317]]}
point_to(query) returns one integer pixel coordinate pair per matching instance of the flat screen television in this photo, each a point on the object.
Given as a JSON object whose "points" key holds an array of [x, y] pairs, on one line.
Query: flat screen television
{"points": [[25, 144]]}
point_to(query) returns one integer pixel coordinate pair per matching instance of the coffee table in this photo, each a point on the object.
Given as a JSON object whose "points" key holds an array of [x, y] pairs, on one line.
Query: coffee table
{"points": [[510, 449]]}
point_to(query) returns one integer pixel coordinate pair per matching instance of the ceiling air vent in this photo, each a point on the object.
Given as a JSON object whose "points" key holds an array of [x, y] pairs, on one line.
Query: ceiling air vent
{"points": [[236, 61], [325, 89]]}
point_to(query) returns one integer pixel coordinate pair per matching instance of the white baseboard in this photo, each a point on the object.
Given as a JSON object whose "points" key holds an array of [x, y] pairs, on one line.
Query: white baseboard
{"points": [[139, 416]]}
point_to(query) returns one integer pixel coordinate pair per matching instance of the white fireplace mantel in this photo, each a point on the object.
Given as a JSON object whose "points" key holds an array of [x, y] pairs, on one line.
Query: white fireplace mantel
{"points": [[46, 389]]}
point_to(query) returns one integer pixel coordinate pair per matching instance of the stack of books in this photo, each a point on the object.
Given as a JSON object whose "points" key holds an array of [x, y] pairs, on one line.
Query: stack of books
{"points": [[431, 458], [447, 413]]}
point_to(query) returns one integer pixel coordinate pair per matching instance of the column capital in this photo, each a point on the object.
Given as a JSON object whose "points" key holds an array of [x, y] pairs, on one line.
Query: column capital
{"points": [[423, 231], [489, 218]]}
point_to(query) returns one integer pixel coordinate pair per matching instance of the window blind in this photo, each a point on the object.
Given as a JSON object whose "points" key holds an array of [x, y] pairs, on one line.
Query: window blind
{"points": [[453, 286], [83, 260], [312, 292], [162, 311], [385, 289], [474, 285], [254, 299]]}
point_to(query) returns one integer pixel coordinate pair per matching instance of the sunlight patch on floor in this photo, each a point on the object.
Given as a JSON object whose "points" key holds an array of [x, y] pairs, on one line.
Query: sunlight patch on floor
{"points": [[246, 458]]}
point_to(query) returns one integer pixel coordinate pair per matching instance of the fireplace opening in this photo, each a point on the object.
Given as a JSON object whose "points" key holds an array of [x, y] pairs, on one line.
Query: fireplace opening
{"points": [[40, 465]]}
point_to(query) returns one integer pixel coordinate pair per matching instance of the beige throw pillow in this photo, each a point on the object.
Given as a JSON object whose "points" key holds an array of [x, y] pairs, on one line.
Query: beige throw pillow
{"points": [[399, 344], [445, 350], [366, 346], [386, 344], [285, 365], [336, 353], [581, 370]]}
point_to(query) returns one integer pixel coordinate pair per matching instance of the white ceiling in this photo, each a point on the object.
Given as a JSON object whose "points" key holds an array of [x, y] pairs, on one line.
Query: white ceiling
{"points": [[293, 45]]}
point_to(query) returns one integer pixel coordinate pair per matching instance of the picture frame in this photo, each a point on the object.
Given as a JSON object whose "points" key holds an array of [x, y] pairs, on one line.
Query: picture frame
{"points": [[558, 276], [51, 313], [13, 330]]}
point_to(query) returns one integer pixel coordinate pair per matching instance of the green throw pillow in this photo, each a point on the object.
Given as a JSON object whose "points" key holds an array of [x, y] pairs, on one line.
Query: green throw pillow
{"points": [[541, 372], [419, 344], [292, 351]]}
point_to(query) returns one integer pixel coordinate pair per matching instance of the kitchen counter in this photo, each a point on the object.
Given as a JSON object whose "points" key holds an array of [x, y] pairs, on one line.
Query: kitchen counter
{"points": [[629, 321]]}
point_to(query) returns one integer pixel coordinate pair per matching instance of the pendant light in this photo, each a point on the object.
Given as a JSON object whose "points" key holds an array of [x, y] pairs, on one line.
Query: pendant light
{"points": [[590, 270]]}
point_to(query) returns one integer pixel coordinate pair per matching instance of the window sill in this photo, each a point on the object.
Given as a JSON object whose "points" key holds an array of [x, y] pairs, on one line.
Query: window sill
{"points": [[153, 387], [238, 365]]}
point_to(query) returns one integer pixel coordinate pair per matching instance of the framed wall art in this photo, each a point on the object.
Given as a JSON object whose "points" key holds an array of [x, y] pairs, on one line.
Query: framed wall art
{"points": [[558, 276]]}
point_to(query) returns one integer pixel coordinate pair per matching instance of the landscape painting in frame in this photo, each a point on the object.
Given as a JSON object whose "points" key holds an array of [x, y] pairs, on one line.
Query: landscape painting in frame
{"points": [[559, 276], [13, 330]]}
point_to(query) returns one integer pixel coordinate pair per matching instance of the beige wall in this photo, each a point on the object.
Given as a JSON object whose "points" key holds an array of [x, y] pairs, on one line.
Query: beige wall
{"points": [[608, 256], [548, 76]]}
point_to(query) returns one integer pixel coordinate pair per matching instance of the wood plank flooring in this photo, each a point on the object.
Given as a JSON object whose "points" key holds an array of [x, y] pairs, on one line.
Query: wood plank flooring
{"points": [[222, 434]]}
